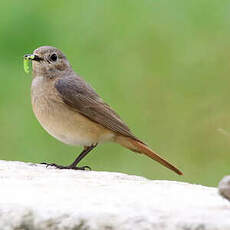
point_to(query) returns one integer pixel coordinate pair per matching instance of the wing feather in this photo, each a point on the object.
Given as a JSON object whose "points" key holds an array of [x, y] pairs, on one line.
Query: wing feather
{"points": [[77, 94]]}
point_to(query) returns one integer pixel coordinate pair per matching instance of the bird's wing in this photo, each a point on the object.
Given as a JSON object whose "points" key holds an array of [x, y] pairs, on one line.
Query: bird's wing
{"points": [[77, 94]]}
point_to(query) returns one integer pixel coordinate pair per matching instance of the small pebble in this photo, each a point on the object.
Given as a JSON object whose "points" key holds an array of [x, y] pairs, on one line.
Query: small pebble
{"points": [[224, 187]]}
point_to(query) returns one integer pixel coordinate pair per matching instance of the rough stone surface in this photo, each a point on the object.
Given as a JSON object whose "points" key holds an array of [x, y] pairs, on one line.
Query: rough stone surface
{"points": [[224, 187], [36, 197]]}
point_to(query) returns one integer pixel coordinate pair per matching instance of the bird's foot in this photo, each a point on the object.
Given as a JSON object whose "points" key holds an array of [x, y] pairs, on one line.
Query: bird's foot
{"points": [[67, 167]]}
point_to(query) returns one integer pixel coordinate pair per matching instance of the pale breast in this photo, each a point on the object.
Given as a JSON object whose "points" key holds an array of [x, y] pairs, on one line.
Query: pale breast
{"points": [[62, 122]]}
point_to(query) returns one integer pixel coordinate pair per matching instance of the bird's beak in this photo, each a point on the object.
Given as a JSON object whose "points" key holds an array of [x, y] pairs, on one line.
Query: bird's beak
{"points": [[32, 57]]}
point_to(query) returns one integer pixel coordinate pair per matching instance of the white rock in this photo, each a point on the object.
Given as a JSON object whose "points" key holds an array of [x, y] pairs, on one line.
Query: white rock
{"points": [[36, 197]]}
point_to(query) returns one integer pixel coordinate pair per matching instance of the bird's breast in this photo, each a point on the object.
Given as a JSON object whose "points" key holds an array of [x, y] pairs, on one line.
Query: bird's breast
{"points": [[61, 121]]}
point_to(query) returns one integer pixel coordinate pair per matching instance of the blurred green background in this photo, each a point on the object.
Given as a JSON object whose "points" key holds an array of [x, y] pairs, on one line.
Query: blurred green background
{"points": [[164, 66]]}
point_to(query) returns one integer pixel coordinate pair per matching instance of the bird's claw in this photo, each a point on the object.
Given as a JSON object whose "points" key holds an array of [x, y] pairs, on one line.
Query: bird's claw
{"points": [[66, 167], [84, 168]]}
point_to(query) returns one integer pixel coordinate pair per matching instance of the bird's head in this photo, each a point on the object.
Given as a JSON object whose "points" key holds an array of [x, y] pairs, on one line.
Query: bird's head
{"points": [[48, 61]]}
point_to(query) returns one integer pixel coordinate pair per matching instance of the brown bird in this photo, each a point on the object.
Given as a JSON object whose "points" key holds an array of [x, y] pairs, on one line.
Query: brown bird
{"points": [[70, 110]]}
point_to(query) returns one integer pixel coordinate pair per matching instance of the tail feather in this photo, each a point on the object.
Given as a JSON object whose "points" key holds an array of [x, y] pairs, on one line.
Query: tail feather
{"points": [[139, 147]]}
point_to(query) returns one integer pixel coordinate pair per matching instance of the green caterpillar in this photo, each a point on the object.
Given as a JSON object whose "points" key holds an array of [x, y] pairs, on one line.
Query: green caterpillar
{"points": [[26, 63]]}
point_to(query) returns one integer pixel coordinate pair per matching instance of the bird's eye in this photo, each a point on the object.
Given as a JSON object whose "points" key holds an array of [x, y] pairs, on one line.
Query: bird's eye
{"points": [[53, 57]]}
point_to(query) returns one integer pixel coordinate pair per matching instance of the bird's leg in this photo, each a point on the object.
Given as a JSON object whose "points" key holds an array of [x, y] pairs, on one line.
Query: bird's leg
{"points": [[86, 150]]}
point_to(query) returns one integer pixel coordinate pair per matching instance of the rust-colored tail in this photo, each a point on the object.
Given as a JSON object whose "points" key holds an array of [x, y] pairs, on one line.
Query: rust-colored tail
{"points": [[140, 147]]}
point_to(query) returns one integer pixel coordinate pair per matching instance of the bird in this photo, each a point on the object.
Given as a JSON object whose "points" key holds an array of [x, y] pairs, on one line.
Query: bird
{"points": [[70, 110]]}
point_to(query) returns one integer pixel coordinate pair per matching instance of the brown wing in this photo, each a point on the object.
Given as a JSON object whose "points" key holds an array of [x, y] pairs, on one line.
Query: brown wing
{"points": [[76, 93]]}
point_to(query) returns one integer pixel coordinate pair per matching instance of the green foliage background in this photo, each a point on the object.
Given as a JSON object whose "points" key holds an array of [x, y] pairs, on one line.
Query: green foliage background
{"points": [[164, 66]]}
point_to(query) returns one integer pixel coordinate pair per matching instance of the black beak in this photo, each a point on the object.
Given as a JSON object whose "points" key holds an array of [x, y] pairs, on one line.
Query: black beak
{"points": [[32, 57]]}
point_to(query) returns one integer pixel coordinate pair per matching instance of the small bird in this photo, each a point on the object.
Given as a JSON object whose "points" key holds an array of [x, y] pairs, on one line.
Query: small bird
{"points": [[70, 110]]}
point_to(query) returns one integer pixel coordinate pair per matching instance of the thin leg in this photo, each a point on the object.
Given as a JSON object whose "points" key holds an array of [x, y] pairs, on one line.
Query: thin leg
{"points": [[82, 155], [78, 159]]}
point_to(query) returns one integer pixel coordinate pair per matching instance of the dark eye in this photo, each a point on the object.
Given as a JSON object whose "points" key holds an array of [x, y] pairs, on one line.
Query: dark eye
{"points": [[53, 57]]}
